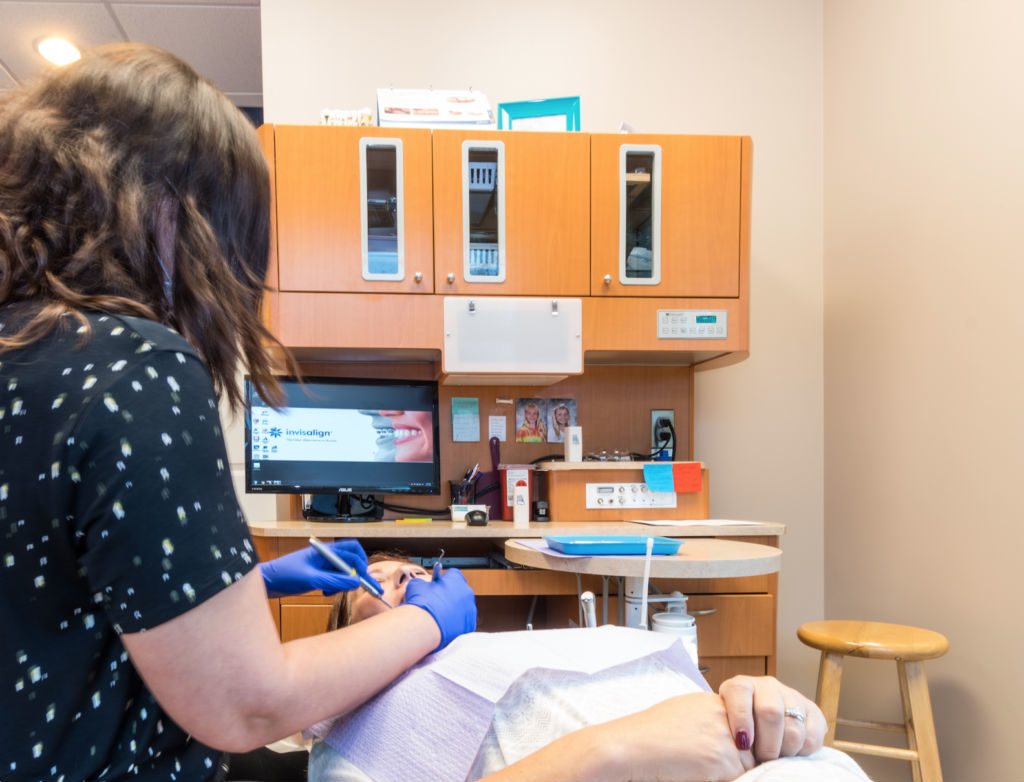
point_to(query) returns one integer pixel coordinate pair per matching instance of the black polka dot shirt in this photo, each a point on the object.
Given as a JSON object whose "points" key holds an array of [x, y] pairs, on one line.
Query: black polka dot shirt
{"points": [[117, 513]]}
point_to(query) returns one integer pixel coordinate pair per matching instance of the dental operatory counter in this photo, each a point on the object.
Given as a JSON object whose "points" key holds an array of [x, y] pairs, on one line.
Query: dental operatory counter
{"points": [[736, 614], [398, 530]]}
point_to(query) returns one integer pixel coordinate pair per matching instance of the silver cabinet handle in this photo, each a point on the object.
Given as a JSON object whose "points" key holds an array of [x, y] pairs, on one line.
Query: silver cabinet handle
{"points": [[607, 279], [418, 276], [703, 612], [451, 277]]}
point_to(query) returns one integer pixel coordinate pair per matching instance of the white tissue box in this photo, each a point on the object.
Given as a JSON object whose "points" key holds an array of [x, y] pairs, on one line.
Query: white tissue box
{"points": [[459, 511]]}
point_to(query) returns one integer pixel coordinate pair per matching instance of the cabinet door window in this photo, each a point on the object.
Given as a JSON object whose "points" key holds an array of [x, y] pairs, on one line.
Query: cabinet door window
{"points": [[483, 211], [640, 214], [380, 196]]}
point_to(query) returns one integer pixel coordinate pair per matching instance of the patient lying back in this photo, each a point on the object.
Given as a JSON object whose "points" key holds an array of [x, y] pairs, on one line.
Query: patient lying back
{"points": [[610, 702]]}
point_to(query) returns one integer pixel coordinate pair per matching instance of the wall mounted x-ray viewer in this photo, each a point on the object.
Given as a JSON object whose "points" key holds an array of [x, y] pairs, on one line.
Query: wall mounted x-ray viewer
{"points": [[494, 334]]}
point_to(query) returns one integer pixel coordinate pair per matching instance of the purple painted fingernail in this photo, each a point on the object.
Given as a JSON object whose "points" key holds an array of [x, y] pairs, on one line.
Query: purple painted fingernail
{"points": [[742, 740]]}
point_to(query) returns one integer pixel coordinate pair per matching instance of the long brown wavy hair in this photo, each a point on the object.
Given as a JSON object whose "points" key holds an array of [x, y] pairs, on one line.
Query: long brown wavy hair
{"points": [[93, 157]]}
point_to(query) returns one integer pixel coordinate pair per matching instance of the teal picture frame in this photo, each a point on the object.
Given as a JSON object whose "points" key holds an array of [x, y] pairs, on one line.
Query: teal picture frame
{"points": [[544, 114]]}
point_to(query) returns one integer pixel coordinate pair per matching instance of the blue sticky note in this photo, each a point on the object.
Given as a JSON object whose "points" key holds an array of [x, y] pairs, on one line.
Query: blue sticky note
{"points": [[465, 419], [658, 477]]}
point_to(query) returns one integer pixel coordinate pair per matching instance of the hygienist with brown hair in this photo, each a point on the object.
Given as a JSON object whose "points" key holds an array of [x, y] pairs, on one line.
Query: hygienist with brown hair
{"points": [[137, 640]]}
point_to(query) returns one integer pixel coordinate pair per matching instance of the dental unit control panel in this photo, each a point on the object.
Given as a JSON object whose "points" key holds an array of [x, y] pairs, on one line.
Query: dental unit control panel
{"points": [[627, 495]]}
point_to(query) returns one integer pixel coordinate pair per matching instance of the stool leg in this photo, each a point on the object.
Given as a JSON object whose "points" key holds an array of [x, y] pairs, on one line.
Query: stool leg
{"points": [[830, 676], [917, 711], [908, 719]]}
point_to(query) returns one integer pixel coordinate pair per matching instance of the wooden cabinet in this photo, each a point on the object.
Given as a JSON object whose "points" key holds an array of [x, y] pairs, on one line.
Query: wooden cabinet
{"points": [[735, 632], [666, 215], [736, 617], [511, 213], [337, 212]]}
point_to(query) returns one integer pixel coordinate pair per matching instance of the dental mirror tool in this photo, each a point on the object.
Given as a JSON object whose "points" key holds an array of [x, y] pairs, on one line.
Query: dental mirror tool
{"points": [[436, 573]]}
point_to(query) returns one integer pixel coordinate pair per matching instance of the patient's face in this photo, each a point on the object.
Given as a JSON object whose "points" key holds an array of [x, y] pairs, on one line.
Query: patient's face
{"points": [[393, 576]]}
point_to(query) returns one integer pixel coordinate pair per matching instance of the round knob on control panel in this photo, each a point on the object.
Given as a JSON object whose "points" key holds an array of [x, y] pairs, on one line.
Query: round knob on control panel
{"points": [[418, 276], [451, 277]]}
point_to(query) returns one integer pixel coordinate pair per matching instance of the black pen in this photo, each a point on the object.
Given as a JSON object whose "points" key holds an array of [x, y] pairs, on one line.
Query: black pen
{"points": [[348, 570]]}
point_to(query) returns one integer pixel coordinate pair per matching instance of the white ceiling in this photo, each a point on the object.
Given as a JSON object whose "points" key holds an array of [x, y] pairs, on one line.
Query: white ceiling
{"points": [[219, 39]]}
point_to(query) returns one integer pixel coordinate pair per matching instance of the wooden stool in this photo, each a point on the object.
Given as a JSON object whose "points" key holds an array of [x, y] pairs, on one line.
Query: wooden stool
{"points": [[908, 646]]}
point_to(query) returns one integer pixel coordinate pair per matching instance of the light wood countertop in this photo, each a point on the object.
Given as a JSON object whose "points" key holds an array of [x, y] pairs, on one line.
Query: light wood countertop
{"points": [[697, 558], [384, 530]]}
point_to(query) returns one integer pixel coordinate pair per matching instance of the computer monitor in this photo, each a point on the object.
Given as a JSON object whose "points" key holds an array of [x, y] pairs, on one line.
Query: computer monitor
{"points": [[344, 437]]}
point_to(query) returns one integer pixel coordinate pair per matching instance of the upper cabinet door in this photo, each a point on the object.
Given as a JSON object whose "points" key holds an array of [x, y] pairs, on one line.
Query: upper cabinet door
{"points": [[511, 213], [354, 211], [665, 215]]}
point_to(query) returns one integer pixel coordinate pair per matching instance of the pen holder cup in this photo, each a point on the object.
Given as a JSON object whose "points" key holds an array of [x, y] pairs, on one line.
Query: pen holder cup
{"points": [[463, 492]]}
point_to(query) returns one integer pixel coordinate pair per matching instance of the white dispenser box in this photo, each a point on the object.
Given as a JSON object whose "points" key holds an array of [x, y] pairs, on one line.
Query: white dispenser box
{"points": [[574, 443]]}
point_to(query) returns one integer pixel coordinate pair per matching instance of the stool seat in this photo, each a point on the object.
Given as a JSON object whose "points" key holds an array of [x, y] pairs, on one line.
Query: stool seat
{"points": [[908, 647], [876, 640]]}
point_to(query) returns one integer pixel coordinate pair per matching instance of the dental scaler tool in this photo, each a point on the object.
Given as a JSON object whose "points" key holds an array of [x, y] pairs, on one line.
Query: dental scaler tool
{"points": [[348, 570]]}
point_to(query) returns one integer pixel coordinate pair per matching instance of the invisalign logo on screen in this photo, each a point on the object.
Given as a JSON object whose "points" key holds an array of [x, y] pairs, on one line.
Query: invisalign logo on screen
{"points": [[319, 434], [315, 434]]}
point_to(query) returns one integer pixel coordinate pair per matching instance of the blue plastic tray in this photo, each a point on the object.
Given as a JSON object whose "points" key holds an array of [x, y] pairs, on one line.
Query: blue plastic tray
{"points": [[591, 545]]}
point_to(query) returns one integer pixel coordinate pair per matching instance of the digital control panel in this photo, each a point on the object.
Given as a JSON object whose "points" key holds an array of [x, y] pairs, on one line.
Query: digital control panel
{"points": [[627, 495], [693, 324]]}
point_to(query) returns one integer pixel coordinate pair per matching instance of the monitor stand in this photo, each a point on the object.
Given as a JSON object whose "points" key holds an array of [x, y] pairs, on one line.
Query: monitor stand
{"points": [[341, 507]]}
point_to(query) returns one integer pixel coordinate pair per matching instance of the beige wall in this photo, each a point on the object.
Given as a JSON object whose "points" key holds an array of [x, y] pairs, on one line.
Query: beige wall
{"points": [[749, 68], [878, 414], [924, 143]]}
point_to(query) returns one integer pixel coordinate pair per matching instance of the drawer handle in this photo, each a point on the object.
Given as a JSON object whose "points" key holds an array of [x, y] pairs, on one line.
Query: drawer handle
{"points": [[702, 612], [607, 279], [703, 669], [450, 278], [418, 276]]}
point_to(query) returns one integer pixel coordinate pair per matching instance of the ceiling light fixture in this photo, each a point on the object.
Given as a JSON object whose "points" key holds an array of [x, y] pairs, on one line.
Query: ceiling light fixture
{"points": [[58, 51]]}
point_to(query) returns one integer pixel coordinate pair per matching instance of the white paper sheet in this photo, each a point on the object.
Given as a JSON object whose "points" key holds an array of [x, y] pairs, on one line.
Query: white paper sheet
{"points": [[499, 658], [538, 544], [696, 523]]}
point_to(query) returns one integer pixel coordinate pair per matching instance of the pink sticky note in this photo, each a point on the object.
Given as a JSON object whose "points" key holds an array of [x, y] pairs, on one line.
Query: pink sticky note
{"points": [[686, 477]]}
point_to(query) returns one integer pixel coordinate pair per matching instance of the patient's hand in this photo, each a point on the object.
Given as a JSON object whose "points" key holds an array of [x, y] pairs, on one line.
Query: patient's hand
{"points": [[685, 738], [688, 738], [757, 707]]}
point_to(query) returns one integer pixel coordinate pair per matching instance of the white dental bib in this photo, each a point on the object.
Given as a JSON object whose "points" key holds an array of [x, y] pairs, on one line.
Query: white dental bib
{"points": [[489, 699]]}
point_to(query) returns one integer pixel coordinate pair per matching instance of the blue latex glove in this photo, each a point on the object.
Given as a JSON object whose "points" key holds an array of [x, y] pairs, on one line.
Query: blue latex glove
{"points": [[306, 570], [449, 600]]}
